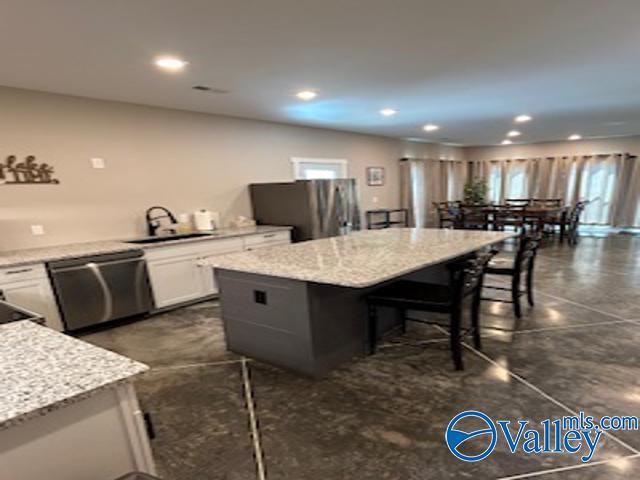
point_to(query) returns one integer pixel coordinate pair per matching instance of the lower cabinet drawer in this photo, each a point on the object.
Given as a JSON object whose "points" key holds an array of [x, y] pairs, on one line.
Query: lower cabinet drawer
{"points": [[267, 238], [24, 272]]}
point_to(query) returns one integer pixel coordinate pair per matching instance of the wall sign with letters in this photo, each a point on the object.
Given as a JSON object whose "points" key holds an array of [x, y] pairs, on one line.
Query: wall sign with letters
{"points": [[14, 172]]}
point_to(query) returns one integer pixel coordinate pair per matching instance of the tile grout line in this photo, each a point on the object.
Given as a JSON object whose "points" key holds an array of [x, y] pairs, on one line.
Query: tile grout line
{"points": [[562, 299], [544, 394], [552, 329], [581, 305], [253, 421], [539, 391], [194, 365], [567, 468], [606, 271], [615, 270]]}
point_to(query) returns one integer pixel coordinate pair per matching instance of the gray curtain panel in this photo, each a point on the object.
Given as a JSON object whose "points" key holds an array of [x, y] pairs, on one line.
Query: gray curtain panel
{"points": [[611, 182], [425, 181]]}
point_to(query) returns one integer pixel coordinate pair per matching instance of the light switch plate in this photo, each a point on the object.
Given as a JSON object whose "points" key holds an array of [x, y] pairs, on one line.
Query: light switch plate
{"points": [[37, 229], [97, 162]]}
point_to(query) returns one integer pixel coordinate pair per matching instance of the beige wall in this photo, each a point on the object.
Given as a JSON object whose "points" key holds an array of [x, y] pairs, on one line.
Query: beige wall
{"points": [[548, 149], [182, 160]]}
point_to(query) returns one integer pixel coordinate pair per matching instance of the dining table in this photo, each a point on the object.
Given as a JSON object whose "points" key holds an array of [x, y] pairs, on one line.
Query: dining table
{"points": [[535, 214]]}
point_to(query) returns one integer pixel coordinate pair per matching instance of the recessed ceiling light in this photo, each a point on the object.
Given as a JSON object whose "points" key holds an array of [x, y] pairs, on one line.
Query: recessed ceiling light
{"points": [[388, 112], [513, 133], [575, 136], [506, 141], [171, 64], [522, 118], [430, 127], [306, 95]]}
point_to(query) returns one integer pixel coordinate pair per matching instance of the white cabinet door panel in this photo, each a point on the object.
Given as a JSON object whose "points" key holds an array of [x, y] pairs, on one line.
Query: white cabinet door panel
{"points": [[36, 296], [175, 280]]}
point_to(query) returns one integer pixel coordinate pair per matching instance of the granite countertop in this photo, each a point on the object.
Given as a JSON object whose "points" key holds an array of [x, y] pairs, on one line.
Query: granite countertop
{"points": [[363, 258], [43, 370], [12, 258], [218, 234]]}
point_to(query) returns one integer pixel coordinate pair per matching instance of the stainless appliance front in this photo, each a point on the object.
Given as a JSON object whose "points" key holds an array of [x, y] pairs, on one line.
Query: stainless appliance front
{"points": [[94, 290], [315, 208]]}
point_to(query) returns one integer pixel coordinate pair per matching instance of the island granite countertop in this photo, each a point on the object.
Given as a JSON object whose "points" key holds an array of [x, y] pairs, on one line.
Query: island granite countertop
{"points": [[13, 258], [43, 370], [363, 258]]}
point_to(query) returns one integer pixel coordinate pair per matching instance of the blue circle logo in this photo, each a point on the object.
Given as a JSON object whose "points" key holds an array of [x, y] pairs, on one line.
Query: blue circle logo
{"points": [[455, 438]]}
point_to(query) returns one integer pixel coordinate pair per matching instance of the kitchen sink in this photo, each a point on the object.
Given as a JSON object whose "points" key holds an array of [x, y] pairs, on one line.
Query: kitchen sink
{"points": [[169, 238]]}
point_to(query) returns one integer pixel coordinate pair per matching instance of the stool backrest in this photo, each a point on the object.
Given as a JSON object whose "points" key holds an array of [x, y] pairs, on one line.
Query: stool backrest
{"points": [[467, 276], [527, 249]]}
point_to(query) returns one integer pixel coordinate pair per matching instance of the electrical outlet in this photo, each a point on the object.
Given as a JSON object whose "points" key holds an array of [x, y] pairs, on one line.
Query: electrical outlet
{"points": [[97, 162], [37, 229], [374, 199]]}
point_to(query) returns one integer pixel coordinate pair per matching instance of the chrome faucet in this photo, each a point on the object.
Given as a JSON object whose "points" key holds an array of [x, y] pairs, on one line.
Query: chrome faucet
{"points": [[154, 224]]}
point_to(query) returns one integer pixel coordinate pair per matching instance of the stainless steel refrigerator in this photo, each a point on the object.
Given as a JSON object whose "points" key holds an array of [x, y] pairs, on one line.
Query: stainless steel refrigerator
{"points": [[315, 208]]}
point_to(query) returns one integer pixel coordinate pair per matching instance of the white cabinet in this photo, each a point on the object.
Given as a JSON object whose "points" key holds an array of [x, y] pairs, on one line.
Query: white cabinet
{"points": [[28, 287], [215, 249], [182, 273], [179, 273], [175, 280], [99, 437]]}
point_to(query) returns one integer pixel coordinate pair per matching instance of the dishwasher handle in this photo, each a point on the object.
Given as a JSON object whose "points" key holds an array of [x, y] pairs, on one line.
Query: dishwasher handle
{"points": [[106, 293]]}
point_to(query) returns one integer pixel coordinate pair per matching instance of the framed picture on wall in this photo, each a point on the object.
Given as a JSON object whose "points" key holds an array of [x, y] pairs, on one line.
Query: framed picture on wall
{"points": [[375, 176]]}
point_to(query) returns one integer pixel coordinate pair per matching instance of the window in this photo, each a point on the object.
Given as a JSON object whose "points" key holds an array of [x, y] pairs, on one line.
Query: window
{"points": [[517, 180], [495, 182], [318, 168]]}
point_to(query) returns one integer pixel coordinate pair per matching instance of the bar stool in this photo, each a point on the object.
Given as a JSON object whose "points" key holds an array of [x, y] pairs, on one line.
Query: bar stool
{"points": [[527, 249], [465, 280]]}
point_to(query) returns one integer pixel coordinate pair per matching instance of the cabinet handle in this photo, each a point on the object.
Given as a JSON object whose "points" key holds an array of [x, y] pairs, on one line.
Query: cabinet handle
{"points": [[269, 235], [22, 270]]}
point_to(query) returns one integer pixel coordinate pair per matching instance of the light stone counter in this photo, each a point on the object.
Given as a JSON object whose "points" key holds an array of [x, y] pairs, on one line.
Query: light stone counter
{"points": [[363, 258], [43, 370], [12, 258]]}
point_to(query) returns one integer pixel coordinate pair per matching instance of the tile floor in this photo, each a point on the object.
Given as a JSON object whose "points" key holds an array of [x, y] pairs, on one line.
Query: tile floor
{"points": [[218, 416]]}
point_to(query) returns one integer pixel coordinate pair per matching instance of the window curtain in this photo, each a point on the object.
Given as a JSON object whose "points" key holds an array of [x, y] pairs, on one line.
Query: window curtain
{"points": [[424, 181], [609, 181]]}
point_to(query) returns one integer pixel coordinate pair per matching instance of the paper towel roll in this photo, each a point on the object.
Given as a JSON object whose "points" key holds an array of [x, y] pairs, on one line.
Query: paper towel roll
{"points": [[202, 220]]}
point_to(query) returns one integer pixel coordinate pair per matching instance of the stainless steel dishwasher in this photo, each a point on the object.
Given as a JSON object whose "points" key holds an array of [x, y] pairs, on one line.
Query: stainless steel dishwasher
{"points": [[97, 289]]}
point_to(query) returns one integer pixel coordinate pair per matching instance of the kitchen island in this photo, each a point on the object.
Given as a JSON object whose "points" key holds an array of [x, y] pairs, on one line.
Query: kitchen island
{"points": [[68, 409], [302, 306]]}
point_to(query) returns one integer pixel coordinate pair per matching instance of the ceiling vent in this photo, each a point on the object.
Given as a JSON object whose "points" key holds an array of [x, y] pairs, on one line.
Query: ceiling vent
{"points": [[204, 88]]}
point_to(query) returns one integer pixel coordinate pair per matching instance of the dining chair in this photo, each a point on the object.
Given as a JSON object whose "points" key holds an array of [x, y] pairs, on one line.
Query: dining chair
{"points": [[524, 261], [508, 216], [573, 221], [517, 202], [448, 214], [465, 280], [546, 202], [474, 217]]}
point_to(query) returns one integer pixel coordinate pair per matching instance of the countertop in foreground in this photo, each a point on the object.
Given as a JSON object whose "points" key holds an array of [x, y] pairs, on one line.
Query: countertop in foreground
{"points": [[361, 259], [12, 258], [43, 370]]}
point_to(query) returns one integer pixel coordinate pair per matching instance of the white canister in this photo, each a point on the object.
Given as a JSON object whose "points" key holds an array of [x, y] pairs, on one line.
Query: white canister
{"points": [[202, 220]]}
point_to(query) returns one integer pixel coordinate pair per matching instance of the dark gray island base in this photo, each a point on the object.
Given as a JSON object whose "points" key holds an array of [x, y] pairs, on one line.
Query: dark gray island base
{"points": [[307, 327], [302, 306], [303, 326]]}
